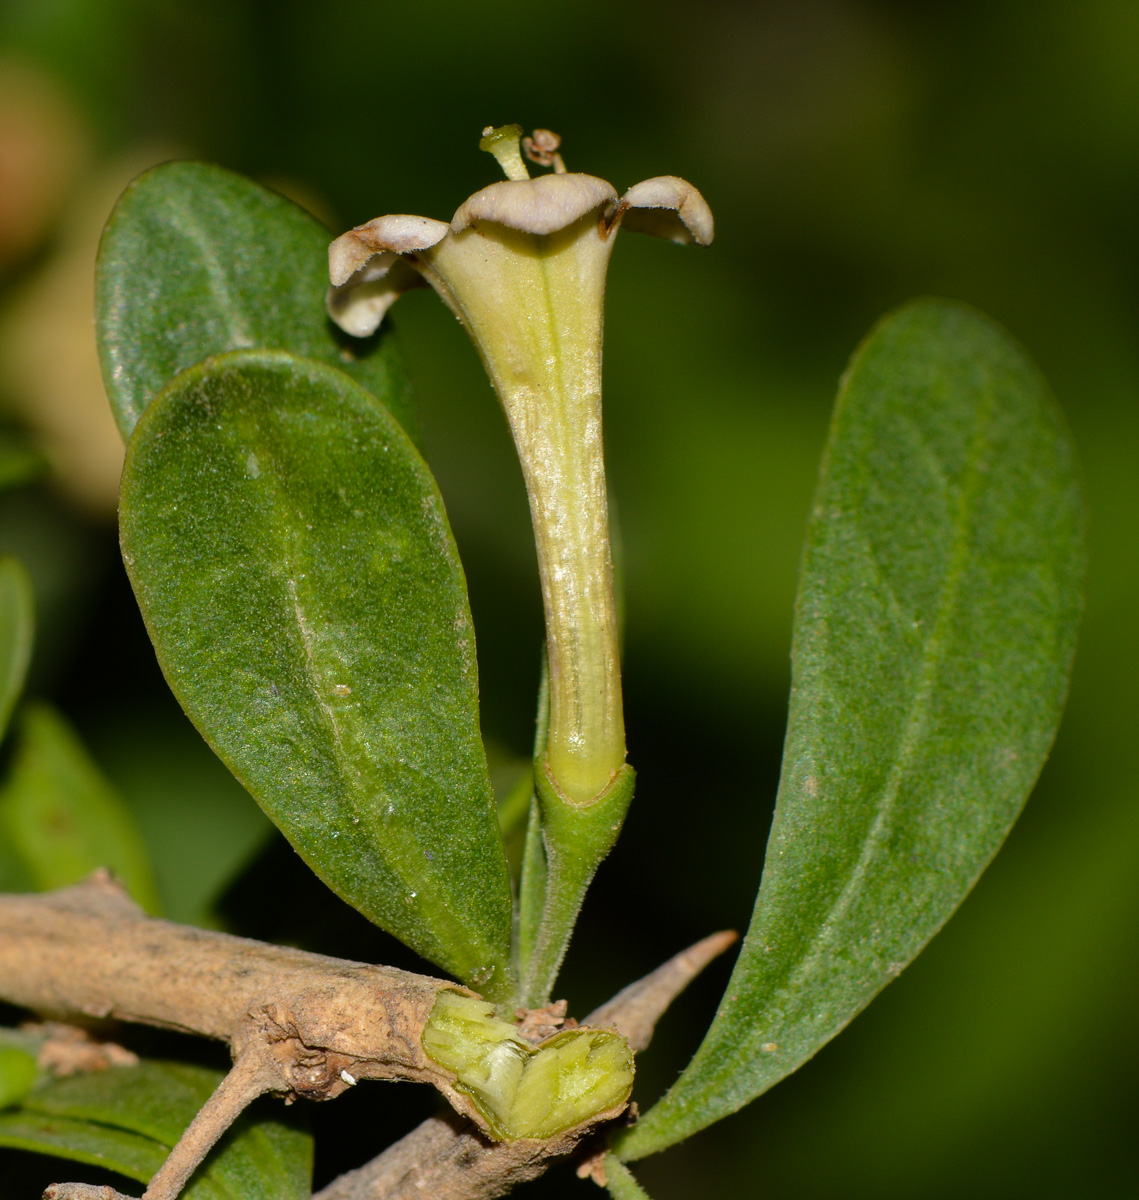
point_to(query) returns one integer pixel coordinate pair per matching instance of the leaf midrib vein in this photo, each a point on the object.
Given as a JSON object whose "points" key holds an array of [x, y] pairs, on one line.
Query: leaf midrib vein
{"points": [[188, 224], [450, 940], [917, 719]]}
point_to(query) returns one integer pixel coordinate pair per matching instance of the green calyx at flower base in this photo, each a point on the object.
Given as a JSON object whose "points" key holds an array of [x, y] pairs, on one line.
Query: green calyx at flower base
{"points": [[522, 264]]}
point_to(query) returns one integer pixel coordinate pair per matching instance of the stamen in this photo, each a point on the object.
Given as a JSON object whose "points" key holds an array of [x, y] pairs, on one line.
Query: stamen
{"points": [[503, 144], [542, 148]]}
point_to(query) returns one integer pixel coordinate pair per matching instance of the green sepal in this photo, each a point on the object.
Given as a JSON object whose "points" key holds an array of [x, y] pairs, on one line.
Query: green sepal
{"points": [[578, 835], [531, 892], [576, 838]]}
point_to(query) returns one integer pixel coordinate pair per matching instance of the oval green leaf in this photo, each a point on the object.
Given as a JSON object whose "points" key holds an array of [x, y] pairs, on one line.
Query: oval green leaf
{"points": [[294, 565], [197, 260], [934, 633], [61, 817], [17, 628], [127, 1119]]}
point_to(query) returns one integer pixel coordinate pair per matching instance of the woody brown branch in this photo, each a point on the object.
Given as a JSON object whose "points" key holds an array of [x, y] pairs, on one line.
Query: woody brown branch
{"points": [[90, 952], [296, 1020]]}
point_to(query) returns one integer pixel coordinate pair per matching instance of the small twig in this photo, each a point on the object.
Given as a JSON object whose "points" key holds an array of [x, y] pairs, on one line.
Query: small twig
{"points": [[256, 1072], [68, 1050], [253, 1074], [446, 1158], [297, 1024], [89, 952]]}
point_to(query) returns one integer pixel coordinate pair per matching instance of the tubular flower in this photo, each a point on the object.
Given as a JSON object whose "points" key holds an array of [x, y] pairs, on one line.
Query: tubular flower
{"points": [[522, 265]]}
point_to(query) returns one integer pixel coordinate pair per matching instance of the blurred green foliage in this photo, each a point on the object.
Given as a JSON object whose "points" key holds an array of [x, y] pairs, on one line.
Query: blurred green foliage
{"points": [[856, 152], [62, 818], [127, 1119]]}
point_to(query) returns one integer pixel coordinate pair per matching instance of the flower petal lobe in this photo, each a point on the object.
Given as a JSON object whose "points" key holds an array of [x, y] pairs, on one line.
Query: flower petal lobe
{"points": [[668, 207], [540, 206]]}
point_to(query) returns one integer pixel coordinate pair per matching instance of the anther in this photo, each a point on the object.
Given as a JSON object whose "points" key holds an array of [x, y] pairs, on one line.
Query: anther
{"points": [[542, 148]]}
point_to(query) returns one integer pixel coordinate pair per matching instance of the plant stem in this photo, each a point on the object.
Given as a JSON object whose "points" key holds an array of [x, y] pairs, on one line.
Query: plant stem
{"points": [[531, 901], [621, 1183], [576, 839]]}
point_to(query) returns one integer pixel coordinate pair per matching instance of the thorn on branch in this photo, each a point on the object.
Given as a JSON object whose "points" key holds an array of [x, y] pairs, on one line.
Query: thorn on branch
{"points": [[635, 1010]]}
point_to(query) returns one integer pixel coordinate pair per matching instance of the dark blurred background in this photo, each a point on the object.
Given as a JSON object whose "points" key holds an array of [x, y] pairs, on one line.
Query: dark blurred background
{"points": [[856, 153]]}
